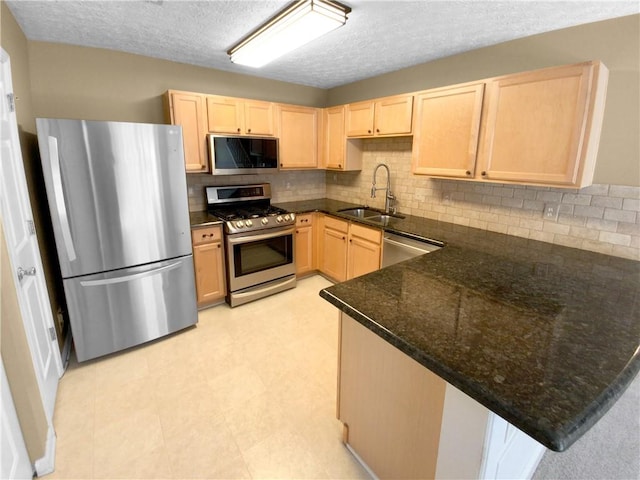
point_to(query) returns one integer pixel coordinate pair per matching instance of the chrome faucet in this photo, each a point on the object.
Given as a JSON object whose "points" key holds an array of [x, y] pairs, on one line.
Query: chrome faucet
{"points": [[388, 196]]}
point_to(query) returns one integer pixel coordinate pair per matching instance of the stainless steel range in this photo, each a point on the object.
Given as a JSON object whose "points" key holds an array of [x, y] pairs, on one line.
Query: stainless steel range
{"points": [[259, 240]]}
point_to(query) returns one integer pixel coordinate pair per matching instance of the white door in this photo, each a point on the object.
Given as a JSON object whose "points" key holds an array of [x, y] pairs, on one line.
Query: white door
{"points": [[14, 458], [24, 253]]}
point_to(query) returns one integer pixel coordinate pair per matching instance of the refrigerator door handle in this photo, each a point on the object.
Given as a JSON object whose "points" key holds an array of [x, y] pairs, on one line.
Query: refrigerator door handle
{"points": [[128, 278], [58, 193]]}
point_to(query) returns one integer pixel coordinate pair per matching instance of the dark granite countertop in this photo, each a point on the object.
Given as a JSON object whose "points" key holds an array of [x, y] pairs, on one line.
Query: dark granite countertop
{"points": [[547, 337], [202, 219]]}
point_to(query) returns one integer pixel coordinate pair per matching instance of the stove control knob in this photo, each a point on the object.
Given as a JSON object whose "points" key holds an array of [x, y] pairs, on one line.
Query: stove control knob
{"points": [[286, 217], [279, 219], [248, 223], [239, 224], [264, 221]]}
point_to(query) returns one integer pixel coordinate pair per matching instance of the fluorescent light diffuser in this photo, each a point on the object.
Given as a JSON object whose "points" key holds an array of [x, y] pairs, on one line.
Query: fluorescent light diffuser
{"points": [[295, 26]]}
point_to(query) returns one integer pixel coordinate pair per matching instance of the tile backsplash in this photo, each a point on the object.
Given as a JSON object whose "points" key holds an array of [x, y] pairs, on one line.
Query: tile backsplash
{"points": [[285, 186], [601, 218]]}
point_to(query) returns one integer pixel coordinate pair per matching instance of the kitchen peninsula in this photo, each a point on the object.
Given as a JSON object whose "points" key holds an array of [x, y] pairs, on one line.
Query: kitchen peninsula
{"points": [[545, 337]]}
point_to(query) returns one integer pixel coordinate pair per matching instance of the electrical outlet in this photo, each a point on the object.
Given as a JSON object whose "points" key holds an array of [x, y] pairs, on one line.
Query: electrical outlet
{"points": [[446, 198], [551, 211]]}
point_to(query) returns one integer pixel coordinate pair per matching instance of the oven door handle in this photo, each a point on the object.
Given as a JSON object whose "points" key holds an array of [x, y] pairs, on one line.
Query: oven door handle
{"points": [[233, 240]]}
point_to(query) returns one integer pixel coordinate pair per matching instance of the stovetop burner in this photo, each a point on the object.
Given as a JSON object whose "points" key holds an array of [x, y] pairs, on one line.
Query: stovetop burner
{"points": [[246, 208]]}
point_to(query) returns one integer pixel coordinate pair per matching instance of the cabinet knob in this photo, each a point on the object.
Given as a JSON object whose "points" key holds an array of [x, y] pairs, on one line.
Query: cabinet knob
{"points": [[344, 238], [368, 131], [339, 166], [249, 130], [238, 130], [218, 245], [484, 174], [281, 165], [468, 172], [377, 130]]}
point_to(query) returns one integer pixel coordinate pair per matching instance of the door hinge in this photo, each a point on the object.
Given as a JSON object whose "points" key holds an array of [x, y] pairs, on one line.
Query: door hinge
{"points": [[31, 226], [52, 332], [11, 102]]}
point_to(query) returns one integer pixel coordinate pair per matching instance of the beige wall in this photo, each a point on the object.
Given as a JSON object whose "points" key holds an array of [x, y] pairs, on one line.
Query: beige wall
{"points": [[616, 42], [91, 83]]}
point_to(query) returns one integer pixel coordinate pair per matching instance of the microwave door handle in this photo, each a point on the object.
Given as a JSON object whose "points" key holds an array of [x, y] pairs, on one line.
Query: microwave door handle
{"points": [[58, 194]]}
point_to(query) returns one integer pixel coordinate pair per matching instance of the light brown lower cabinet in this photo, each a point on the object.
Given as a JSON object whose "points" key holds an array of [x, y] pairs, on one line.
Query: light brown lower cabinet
{"points": [[208, 259], [305, 250], [349, 249]]}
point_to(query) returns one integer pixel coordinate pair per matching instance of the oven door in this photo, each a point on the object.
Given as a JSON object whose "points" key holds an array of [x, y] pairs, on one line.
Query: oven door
{"points": [[259, 257]]}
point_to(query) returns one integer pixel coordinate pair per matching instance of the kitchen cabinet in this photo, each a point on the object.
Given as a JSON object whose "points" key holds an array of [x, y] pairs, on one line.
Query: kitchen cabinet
{"points": [[534, 128], [364, 250], [389, 116], [446, 131], [208, 259], [297, 130], [334, 248], [543, 127], [305, 252], [339, 152], [188, 110], [349, 249], [228, 115]]}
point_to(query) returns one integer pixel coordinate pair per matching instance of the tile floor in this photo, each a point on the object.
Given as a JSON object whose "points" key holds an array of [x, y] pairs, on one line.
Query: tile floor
{"points": [[247, 393]]}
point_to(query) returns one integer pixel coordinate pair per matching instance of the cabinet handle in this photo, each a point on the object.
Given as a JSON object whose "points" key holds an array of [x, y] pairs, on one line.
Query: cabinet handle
{"points": [[484, 174]]}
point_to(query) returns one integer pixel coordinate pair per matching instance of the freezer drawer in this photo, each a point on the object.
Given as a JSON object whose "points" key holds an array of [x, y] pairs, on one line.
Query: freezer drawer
{"points": [[116, 310]]}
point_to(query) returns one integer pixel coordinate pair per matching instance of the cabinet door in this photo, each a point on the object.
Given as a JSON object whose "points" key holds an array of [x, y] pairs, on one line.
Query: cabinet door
{"points": [[364, 251], [187, 110], [209, 267], [535, 126], [359, 119], [258, 118], [304, 250], [298, 132], [224, 115], [335, 140], [334, 254], [446, 130], [393, 115]]}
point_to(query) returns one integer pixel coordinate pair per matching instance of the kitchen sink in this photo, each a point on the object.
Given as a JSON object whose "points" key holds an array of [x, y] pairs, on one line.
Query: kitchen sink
{"points": [[370, 215], [361, 212]]}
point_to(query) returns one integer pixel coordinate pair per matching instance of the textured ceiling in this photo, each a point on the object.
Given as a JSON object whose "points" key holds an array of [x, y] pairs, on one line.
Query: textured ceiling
{"points": [[379, 36]]}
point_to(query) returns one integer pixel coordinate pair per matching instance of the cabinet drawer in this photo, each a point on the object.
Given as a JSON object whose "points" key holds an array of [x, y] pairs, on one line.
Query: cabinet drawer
{"points": [[206, 235], [336, 224], [372, 234], [304, 220]]}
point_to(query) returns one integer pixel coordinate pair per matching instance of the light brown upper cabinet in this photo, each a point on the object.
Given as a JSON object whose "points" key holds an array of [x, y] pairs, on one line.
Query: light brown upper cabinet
{"points": [[446, 130], [536, 128], [238, 116], [339, 152], [389, 116], [188, 110], [297, 129], [543, 127]]}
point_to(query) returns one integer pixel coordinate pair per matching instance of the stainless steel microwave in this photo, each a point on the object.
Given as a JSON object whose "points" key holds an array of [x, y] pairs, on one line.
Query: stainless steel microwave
{"points": [[242, 155]]}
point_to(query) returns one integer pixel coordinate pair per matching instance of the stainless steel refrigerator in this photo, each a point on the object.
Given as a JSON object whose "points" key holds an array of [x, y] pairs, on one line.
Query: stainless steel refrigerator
{"points": [[118, 201]]}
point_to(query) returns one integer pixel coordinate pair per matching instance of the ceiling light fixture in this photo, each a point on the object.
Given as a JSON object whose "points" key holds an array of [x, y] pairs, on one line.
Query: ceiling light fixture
{"points": [[296, 25]]}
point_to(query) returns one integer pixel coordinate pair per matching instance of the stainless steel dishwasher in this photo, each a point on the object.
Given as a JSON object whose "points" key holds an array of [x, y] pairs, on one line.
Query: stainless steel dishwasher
{"points": [[398, 248]]}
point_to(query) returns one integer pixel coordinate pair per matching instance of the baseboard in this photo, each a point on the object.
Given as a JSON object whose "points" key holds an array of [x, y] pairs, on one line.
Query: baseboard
{"points": [[46, 464]]}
